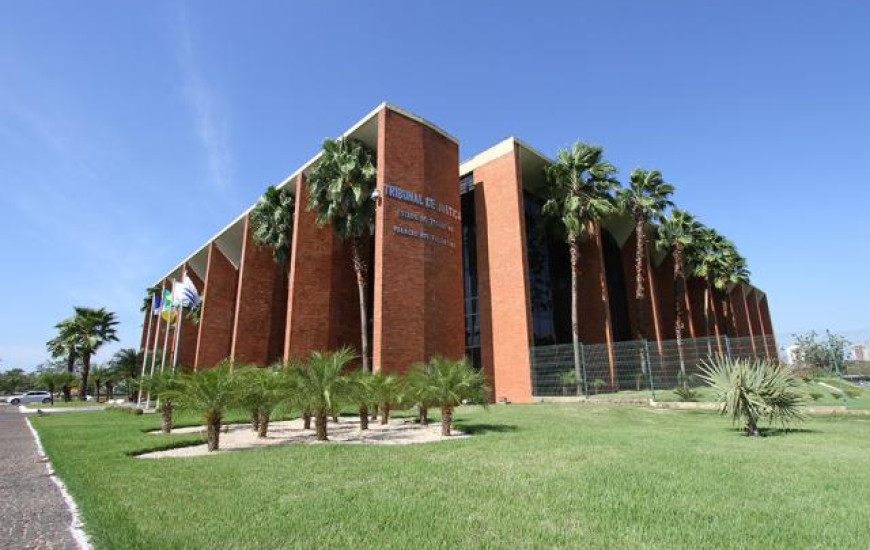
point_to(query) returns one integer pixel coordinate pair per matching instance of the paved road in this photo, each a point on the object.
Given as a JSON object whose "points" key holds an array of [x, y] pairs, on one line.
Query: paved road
{"points": [[33, 513]]}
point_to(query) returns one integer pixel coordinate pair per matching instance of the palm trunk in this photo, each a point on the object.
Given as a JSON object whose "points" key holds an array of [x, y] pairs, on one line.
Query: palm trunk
{"points": [[385, 413], [359, 266], [424, 414], [335, 417], [306, 419], [97, 386], [574, 246], [110, 391], [320, 425], [166, 415], [86, 370], [715, 316], [263, 424], [213, 430], [639, 281], [751, 427], [70, 368], [679, 288], [255, 419], [446, 420], [363, 417]]}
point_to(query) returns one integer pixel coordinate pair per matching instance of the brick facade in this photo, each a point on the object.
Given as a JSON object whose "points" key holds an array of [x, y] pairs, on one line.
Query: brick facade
{"points": [[189, 338], [218, 310], [418, 297]]}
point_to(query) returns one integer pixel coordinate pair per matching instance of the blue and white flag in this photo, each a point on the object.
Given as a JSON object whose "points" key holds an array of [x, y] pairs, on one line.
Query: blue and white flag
{"points": [[155, 304], [184, 293]]}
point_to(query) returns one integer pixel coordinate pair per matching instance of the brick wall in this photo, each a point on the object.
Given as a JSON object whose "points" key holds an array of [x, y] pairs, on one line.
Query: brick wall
{"points": [[259, 275], [503, 286], [189, 338], [418, 297], [218, 310]]}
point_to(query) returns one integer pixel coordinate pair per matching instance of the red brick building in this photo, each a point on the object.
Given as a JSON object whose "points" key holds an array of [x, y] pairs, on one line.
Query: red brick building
{"points": [[458, 266]]}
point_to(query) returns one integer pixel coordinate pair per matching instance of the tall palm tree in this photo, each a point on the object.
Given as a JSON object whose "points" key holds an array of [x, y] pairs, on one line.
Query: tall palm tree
{"points": [[323, 386], [94, 328], [676, 234], [579, 195], [707, 260], [731, 269], [210, 392], [340, 191], [66, 345], [272, 222], [645, 199], [449, 383]]}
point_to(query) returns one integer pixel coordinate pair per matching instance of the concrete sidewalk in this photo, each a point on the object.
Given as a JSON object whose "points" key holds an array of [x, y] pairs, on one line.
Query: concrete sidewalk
{"points": [[34, 512]]}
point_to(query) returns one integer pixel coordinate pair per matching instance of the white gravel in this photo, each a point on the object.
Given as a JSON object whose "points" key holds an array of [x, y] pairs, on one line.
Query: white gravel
{"points": [[346, 431]]}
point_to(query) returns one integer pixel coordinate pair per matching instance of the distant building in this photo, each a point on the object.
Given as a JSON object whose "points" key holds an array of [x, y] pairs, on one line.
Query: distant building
{"points": [[792, 354], [860, 352]]}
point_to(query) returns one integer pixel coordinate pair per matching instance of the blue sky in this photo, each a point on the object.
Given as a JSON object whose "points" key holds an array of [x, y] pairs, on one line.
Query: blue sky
{"points": [[131, 132]]}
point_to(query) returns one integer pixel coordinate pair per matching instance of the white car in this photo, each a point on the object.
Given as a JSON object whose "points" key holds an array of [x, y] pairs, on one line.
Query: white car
{"points": [[30, 397]]}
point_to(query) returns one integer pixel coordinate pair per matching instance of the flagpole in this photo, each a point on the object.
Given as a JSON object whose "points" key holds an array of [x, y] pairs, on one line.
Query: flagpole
{"points": [[165, 338], [177, 331], [156, 341], [145, 350]]}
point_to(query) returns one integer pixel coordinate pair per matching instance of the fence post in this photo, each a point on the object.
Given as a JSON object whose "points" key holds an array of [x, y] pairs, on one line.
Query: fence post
{"points": [[727, 347], [649, 370], [583, 366]]}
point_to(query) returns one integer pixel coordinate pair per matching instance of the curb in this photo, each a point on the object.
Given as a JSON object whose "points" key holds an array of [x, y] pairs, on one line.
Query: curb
{"points": [[76, 526]]}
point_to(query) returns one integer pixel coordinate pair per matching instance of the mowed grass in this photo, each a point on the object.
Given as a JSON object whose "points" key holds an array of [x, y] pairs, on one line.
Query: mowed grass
{"points": [[534, 476]]}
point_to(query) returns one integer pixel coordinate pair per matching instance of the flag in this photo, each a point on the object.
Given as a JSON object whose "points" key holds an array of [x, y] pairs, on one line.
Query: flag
{"points": [[184, 294], [156, 303], [166, 311]]}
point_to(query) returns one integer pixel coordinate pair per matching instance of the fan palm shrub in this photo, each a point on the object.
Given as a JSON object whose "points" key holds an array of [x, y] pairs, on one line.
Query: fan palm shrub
{"points": [[272, 222], [579, 194], [323, 386], [387, 391], [263, 390], [99, 376], [749, 390], [209, 392], [645, 199], [451, 383], [340, 192]]}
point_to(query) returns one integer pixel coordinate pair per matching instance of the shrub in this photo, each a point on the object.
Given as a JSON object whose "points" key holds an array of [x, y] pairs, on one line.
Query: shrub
{"points": [[815, 395], [598, 384], [686, 393], [127, 410], [853, 392], [751, 390], [836, 394]]}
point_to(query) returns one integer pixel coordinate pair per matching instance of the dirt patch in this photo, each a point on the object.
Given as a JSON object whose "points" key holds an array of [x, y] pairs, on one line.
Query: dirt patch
{"points": [[289, 432]]}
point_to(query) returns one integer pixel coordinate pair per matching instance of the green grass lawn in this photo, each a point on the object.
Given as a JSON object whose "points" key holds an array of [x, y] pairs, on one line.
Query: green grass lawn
{"points": [[825, 395], [61, 404], [536, 476]]}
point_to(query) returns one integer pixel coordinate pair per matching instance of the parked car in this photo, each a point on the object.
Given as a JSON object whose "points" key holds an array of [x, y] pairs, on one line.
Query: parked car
{"points": [[30, 397]]}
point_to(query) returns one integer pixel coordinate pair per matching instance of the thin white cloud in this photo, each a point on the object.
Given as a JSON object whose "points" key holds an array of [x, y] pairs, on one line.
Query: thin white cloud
{"points": [[208, 109]]}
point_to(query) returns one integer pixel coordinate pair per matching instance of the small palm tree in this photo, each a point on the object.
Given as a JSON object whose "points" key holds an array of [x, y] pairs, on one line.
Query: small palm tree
{"points": [[579, 195], [340, 191], [323, 387], [210, 392], [93, 328], [164, 386], [387, 390], [99, 374], [263, 391], [420, 392], [751, 390], [272, 222], [451, 383], [677, 234], [360, 391], [645, 199], [54, 380]]}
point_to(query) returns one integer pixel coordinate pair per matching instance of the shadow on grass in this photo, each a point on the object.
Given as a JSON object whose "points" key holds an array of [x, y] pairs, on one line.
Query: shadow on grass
{"points": [[475, 429], [775, 432], [166, 447]]}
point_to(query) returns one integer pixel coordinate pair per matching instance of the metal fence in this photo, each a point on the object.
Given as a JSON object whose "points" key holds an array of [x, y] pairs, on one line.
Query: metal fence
{"points": [[640, 366]]}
